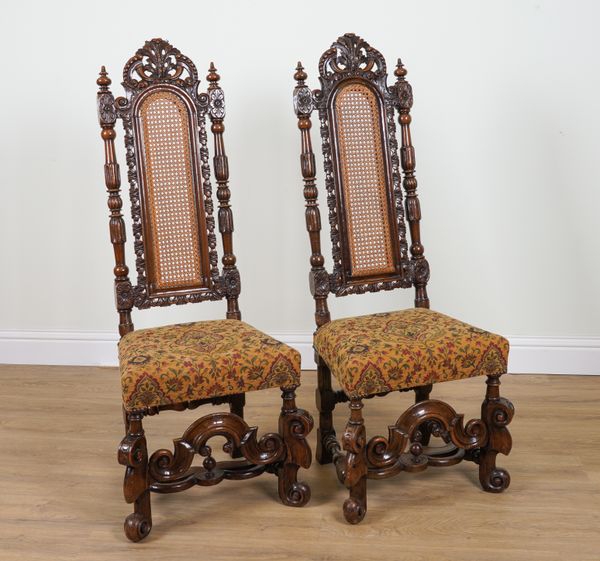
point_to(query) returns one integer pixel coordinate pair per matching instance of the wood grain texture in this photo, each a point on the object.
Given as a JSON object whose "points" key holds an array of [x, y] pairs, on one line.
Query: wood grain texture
{"points": [[60, 486]]}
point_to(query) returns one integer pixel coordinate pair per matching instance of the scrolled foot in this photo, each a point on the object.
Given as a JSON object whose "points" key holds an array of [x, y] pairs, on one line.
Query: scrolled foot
{"points": [[137, 527], [495, 481], [354, 510], [298, 494]]}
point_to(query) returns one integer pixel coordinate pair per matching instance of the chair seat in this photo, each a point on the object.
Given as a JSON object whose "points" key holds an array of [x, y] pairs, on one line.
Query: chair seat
{"points": [[397, 350], [185, 362]]}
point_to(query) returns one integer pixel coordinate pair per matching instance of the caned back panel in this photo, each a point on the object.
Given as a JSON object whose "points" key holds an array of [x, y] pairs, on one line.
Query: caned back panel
{"points": [[173, 214], [364, 180]]}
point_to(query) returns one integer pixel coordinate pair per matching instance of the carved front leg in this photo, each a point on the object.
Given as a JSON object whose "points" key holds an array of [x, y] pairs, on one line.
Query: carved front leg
{"points": [[294, 426], [133, 454], [496, 412], [355, 469]]}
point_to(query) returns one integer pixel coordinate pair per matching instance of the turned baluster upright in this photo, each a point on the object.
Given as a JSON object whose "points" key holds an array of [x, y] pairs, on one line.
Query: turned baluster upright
{"points": [[319, 278], [107, 117], [413, 207], [216, 112]]}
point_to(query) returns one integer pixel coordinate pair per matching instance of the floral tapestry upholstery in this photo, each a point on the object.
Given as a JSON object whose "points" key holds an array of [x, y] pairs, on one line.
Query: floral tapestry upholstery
{"points": [[185, 362], [396, 350]]}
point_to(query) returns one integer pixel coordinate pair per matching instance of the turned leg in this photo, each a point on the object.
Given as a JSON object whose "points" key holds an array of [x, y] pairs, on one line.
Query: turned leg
{"points": [[294, 426], [422, 394], [496, 412], [236, 406], [355, 469], [133, 454], [325, 404]]}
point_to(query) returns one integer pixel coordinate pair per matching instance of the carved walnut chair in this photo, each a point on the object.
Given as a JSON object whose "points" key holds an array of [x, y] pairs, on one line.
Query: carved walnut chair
{"points": [[411, 349], [180, 367]]}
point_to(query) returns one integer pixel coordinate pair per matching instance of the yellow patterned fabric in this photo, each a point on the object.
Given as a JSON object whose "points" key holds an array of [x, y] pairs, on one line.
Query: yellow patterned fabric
{"points": [[396, 350], [185, 362]]}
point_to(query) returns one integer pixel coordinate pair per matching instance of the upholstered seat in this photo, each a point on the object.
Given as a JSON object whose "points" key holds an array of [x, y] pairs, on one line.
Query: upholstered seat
{"points": [[187, 362], [405, 349]]}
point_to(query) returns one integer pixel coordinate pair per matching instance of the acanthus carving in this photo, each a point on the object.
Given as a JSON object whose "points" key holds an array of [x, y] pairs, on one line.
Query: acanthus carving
{"points": [[351, 55], [158, 61]]}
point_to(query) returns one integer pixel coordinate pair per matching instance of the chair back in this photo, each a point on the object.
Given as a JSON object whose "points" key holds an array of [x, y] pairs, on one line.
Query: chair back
{"points": [[363, 179], [164, 116]]}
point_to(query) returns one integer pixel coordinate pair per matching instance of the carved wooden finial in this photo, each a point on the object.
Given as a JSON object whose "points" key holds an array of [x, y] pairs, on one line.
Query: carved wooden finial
{"points": [[212, 75], [400, 71], [103, 81], [300, 75]]}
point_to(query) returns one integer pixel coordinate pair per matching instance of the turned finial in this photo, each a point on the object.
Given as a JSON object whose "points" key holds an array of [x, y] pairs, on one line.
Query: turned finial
{"points": [[212, 75], [300, 75], [103, 80], [400, 71]]}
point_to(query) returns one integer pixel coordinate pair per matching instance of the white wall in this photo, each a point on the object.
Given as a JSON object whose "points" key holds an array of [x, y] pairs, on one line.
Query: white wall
{"points": [[505, 126]]}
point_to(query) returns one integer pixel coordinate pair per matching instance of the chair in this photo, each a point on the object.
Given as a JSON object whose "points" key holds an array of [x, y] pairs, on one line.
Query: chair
{"points": [[180, 367], [404, 350]]}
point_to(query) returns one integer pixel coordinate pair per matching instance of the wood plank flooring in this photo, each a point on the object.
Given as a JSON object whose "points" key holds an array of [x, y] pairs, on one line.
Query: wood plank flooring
{"points": [[60, 484]]}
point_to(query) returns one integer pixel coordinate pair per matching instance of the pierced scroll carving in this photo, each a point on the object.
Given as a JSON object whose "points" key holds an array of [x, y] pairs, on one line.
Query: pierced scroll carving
{"points": [[173, 468], [159, 61], [387, 456]]}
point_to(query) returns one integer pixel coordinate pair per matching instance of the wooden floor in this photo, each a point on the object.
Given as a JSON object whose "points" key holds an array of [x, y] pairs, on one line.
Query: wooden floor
{"points": [[60, 484]]}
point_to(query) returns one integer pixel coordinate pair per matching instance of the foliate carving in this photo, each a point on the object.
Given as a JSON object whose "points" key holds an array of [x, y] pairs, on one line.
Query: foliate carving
{"points": [[303, 101], [405, 95], [216, 103], [351, 55], [420, 271], [319, 282], [159, 61], [124, 295], [231, 282], [107, 114]]}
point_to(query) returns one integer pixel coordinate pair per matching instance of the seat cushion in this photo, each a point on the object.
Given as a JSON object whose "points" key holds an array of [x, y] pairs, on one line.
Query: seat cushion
{"points": [[185, 362], [392, 351]]}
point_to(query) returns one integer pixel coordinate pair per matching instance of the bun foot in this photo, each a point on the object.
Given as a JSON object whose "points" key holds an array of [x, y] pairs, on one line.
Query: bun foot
{"points": [[137, 527]]}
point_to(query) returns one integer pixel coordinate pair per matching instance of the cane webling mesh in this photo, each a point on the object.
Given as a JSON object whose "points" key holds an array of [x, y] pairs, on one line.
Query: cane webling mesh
{"points": [[364, 184], [171, 209]]}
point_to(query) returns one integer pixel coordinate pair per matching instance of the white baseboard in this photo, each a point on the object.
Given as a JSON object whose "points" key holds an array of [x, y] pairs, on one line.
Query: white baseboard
{"points": [[528, 355]]}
